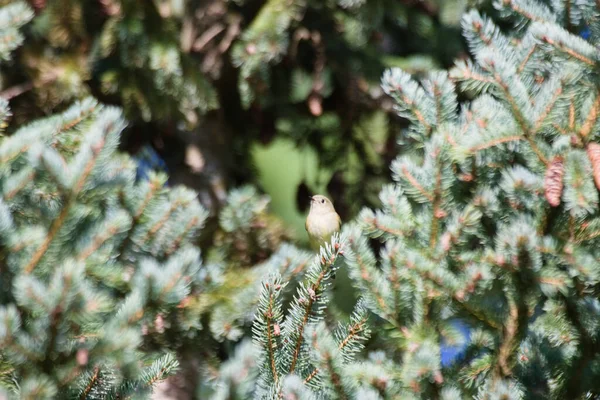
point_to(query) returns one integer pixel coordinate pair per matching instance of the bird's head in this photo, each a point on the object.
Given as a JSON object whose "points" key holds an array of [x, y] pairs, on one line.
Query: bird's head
{"points": [[321, 205]]}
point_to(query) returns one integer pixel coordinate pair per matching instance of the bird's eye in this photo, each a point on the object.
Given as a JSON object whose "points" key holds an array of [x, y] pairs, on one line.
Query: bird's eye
{"points": [[323, 201]]}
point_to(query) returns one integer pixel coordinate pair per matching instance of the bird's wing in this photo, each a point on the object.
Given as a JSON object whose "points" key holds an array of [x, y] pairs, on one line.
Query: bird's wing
{"points": [[339, 221]]}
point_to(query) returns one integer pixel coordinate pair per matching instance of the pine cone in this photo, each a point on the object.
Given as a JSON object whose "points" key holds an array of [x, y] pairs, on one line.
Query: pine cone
{"points": [[593, 152], [553, 182]]}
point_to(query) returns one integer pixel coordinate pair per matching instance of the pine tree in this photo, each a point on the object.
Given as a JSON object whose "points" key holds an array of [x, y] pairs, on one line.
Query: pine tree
{"points": [[298, 351], [245, 71], [93, 264], [103, 288], [493, 216]]}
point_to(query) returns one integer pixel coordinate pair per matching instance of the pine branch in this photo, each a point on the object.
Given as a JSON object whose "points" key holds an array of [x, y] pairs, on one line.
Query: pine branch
{"points": [[569, 51], [177, 242], [27, 178], [93, 381], [530, 10], [573, 387], [266, 329], [590, 119], [359, 260], [68, 120], [413, 181], [531, 51], [494, 143], [549, 106], [349, 336], [60, 220], [97, 242], [437, 212], [508, 344], [327, 355], [154, 184], [309, 302]]}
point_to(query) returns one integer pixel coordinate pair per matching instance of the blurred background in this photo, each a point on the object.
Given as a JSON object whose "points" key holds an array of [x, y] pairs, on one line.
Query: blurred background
{"points": [[282, 94], [281, 97]]}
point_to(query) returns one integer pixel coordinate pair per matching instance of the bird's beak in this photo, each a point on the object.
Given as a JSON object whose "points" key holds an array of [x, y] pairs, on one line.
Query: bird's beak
{"points": [[311, 198]]}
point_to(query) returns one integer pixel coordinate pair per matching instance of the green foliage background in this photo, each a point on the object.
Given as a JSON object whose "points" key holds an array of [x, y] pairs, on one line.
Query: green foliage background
{"points": [[232, 76], [282, 95], [446, 166]]}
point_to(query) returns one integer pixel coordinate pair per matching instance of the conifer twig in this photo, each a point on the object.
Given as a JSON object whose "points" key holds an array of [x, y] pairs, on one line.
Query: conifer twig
{"points": [[90, 384], [353, 331], [62, 217], [569, 51]]}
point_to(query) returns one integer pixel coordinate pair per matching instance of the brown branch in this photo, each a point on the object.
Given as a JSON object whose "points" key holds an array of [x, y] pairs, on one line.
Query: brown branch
{"points": [[98, 241], [547, 110], [589, 236], [383, 228], [176, 277], [335, 379], [270, 339], [232, 32], [207, 36], [179, 239], [572, 115], [526, 59], [55, 316], [90, 385], [552, 281], [307, 310], [520, 119], [412, 180], [156, 377], [477, 77], [569, 51], [62, 217], [527, 15], [591, 119], [25, 147], [16, 90], [24, 183], [508, 344], [351, 333], [513, 104], [315, 287], [156, 227], [315, 99], [537, 151], [495, 142], [299, 34], [417, 113], [437, 213], [559, 128], [56, 225], [438, 104], [311, 376]]}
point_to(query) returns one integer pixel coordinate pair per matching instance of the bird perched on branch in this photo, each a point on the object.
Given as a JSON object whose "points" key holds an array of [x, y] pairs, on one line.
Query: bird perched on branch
{"points": [[322, 221]]}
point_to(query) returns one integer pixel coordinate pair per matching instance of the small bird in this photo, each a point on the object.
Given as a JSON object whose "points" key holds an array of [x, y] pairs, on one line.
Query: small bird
{"points": [[322, 221]]}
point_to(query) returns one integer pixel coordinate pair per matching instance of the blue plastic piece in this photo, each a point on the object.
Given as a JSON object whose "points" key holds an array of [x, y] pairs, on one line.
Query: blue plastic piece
{"points": [[148, 160], [451, 354], [585, 33]]}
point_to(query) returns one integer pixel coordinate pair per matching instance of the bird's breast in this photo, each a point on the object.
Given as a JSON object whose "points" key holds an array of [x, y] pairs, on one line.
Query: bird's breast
{"points": [[323, 225]]}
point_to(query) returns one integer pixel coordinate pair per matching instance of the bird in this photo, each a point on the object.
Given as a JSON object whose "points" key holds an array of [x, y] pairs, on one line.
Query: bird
{"points": [[322, 221]]}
